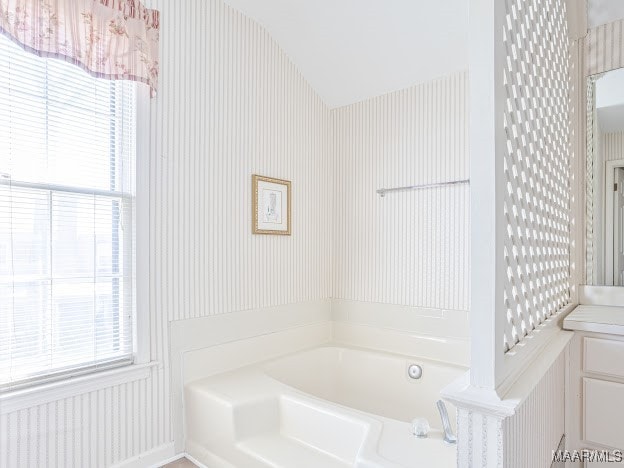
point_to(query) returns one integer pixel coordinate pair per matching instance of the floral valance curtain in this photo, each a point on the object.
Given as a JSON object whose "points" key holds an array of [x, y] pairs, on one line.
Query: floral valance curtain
{"points": [[113, 39]]}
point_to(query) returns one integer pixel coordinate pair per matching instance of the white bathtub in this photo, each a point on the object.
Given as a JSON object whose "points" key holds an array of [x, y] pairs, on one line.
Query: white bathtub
{"points": [[321, 408]]}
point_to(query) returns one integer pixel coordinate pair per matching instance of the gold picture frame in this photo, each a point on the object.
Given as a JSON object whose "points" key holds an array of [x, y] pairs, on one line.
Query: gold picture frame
{"points": [[271, 205]]}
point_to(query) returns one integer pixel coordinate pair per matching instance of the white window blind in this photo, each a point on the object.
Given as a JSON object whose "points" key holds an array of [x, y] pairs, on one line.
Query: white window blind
{"points": [[67, 197]]}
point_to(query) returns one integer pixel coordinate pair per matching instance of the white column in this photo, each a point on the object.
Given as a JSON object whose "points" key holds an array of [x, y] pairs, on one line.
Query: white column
{"points": [[487, 98]]}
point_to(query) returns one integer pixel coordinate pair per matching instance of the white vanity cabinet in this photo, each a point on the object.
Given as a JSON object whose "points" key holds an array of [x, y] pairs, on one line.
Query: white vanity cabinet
{"points": [[595, 403]]}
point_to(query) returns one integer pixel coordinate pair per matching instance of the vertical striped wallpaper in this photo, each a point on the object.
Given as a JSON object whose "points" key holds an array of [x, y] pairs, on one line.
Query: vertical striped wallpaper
{"points": [[612, 146], [230, 104], [89, 430], [408, 248], [536, 428], [604, 48]]}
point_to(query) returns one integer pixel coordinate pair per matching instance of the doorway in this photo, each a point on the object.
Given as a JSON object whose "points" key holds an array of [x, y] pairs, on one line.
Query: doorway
{"points": [[614, 232]]}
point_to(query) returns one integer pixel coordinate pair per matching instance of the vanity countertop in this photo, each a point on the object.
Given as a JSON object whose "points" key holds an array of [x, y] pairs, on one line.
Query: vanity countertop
{"points": [[597, 319]]}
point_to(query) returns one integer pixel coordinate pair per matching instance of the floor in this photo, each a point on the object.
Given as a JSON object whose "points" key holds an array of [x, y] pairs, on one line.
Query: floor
{"points": [[180, 463]]}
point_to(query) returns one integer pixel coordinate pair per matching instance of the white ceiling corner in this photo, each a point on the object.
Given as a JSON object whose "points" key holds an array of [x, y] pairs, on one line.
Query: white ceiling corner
{"points": [[604, 11], [352, 50]]}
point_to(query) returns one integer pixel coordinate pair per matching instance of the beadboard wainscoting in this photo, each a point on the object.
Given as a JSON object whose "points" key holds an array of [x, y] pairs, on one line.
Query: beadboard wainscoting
{"points": [[409, 248], [538, 424], [230, 104]]}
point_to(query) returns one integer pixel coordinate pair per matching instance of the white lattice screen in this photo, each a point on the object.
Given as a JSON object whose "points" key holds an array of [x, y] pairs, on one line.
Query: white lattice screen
{"points": [[537, 164]]}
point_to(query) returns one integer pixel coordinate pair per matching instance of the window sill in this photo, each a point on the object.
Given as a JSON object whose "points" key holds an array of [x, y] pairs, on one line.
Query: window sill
{"points": [[41, 394]]}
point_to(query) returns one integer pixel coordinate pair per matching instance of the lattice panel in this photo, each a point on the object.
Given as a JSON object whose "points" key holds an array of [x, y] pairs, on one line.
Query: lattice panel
{"points": [[537, 164]]}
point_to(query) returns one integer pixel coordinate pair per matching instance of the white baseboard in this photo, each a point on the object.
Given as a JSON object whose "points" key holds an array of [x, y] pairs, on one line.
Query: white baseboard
{"points": [[194, 460], [155, 457], [147, 459], [177, 457], [168, 460]]}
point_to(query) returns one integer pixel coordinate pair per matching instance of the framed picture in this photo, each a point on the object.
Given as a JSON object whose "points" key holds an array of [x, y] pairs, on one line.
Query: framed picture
{"points": [[270, 205]]}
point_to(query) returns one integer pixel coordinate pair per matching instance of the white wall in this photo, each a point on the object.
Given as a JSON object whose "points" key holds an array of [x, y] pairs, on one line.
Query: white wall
{"points": [[409, 248], [609, 90], [230, 104]]}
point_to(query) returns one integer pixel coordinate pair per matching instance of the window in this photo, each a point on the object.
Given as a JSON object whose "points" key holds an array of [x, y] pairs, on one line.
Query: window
{"points": [[67, 211]]}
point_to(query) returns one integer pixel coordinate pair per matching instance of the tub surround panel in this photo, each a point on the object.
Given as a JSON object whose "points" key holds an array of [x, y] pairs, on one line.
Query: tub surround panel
{"points": [[437, 334], [225, 357], [208, 346], [420, 320], [223, 328], [439, 348], [219, 343]]}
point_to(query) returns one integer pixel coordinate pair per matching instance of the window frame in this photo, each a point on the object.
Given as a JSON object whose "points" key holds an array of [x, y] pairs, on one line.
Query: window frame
{"points": [[39, 393]]}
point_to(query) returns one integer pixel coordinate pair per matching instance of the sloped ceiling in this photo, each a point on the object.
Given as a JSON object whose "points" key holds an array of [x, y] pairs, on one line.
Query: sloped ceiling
{"points": [[351, 50]]}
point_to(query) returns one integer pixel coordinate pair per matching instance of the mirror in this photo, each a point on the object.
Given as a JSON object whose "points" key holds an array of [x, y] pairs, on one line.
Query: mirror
{"points": [[605, 179]]}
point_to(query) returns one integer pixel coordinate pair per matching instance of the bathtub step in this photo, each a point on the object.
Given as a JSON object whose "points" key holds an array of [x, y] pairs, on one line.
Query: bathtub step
{"points": [[278, 451]]}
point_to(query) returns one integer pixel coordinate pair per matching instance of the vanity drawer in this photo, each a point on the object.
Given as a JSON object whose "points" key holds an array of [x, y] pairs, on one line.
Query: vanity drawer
{"points": [[603, 410], [604, 356]]}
